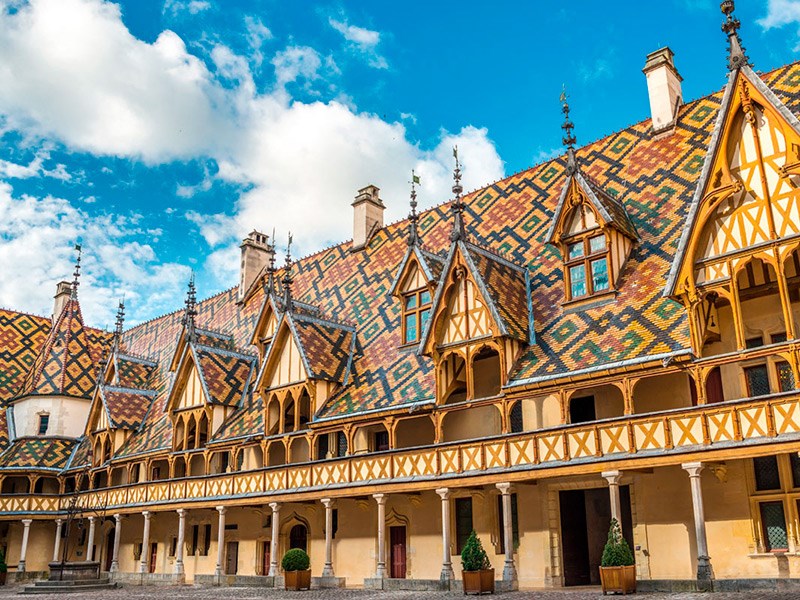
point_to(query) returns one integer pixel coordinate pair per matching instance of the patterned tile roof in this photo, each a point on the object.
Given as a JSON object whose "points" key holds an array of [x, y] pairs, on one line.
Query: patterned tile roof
{"points": [[246, 420], [67, 363], [225, 375], [133, 372], [326, 346], [126, 407], [38, 453]]}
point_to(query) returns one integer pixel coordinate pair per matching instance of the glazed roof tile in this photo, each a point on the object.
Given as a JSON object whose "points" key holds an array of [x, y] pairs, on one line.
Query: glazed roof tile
{"points": [[38, 453]]}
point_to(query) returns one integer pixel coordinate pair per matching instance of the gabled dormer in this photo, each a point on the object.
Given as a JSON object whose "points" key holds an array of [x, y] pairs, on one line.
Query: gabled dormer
{"points": [[481, 317], [592, 231], [266, 325]]}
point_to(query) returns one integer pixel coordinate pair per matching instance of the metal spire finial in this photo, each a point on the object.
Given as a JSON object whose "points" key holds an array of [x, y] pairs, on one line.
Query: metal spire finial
{"points": [[569, 137], [457, 207], [271, 267], [736, 56], [77, 273], [413, 218], [190, 311], [119, 322], [287, 277]]}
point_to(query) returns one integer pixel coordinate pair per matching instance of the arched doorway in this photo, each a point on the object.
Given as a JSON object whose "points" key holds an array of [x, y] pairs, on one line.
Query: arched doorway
{"points": [[109, 549], [298, 537]]}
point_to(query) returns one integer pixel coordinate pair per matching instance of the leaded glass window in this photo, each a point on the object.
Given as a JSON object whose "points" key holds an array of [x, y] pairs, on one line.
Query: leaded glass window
{"points": [[416, 312], [773, 524], [766, 472], [757, 380], [785, 376], [587, 266]]}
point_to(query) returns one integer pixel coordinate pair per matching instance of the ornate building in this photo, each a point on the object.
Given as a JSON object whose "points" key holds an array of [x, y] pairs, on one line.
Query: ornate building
{"points": [[614, 332]]}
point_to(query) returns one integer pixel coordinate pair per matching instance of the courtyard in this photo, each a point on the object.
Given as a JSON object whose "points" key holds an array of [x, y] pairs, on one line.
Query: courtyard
{"points": [[245, 593]]}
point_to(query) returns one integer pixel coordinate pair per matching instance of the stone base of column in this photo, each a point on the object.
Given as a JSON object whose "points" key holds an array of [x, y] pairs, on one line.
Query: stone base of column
{"points": [[704, 570], [114, 567], [447, 573], [327, 571], [509, 572], [380, 573]]}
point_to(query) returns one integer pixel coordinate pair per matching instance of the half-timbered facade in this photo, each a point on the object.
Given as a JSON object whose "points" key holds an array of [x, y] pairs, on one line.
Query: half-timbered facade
{"points": [[611, 333]]}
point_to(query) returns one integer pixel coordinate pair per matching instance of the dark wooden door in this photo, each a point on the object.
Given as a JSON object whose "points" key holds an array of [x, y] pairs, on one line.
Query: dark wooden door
{"points": [[298, 537], [574, 538], [265, 558], [232, 558], [153, 556], [109, 550], [397, 543]]}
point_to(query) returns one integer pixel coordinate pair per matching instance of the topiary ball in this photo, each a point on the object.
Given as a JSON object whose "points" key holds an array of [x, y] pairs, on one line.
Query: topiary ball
{"points": [[295, 560]]}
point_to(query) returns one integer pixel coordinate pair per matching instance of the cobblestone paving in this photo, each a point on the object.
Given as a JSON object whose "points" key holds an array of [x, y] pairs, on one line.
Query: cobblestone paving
{"points": [[244, 593]]}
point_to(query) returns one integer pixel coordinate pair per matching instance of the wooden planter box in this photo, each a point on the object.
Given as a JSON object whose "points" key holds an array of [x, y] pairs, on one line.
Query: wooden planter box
{"points": [[478, 582], [621, 580], [297, 580]]}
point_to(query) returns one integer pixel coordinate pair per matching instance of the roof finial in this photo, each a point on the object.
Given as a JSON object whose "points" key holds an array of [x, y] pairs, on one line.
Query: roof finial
{"points": [[271, 267], [119, 322], [736, 56], [413, 218], [77, 273], [190, 311], [458, 206], [569, 137], [287, 277]]}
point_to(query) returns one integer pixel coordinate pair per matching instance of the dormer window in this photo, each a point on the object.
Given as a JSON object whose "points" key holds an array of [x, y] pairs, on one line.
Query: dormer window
{"points": [[416, 312], [587, 266], [44, 423]]}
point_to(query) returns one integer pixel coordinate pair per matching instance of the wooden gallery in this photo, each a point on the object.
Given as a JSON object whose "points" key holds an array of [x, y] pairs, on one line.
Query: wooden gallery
{"points": [[612, 333]]}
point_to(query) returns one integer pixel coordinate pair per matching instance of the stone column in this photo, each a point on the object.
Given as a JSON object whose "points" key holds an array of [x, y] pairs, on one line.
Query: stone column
{"points": [[613, 478], [145, 542], [220, 541], [181, 535], [90, 539], [509, 569], [26, 530], [327, 570], [273, 545], [117, 537], [57, 545], [447, 566], [380, 571], [704, 571]]}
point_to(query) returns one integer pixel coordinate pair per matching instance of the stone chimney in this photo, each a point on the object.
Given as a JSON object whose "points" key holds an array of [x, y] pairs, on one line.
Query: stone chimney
{"points": [[664, 89], [63, 293], [367, 216], [256, 253]]}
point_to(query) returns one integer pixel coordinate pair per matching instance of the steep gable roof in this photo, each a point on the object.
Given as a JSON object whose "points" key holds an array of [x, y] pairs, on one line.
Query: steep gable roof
{"points": [[126, 408]]}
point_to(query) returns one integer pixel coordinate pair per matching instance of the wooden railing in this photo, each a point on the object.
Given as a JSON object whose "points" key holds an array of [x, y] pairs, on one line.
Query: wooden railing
{"points": [[726, 424]]}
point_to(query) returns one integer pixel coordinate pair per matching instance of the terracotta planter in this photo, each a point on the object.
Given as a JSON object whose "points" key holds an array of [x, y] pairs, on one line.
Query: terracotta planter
{"points": [[478, 582], [621, 580], [297, 580]]}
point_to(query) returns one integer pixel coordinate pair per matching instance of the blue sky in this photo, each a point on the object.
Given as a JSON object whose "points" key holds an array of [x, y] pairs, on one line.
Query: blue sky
{"points": [[159, 132]]}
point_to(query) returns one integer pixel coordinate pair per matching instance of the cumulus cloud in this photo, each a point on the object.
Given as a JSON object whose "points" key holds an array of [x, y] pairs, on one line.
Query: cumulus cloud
{"points": [[192, 7], [363, 40], [74, 73], [36, 240], [781, 13]]}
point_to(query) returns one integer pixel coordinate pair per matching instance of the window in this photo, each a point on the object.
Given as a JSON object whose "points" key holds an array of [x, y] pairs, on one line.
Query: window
{"points": [[785, 376], [341, 444], [778, 338], [44, 422], [515, 418], [501, 523], [773, 526], [757, 380], [463, 522], [767, 473], [416, 312], [581, 410], [381, 441], [206, 539], [777, 486], [322, 447], [753, 342], [195, 539], [587, 266], [173, 545], [334, 522]]}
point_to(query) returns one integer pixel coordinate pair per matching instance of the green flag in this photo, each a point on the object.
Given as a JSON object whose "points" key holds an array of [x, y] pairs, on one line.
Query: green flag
{"points": [[414, 178]]}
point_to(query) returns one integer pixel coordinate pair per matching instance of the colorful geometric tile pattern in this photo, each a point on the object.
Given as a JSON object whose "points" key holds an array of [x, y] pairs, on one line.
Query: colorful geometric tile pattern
{"points": [[133, 372], [126, 407], [224, 374], [326, 346], [245, 421], [67, 364], [40, 453]]}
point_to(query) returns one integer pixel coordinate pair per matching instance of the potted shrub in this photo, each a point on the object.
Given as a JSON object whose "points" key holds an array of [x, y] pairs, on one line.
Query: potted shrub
{"points": [[296, 572], [3, 568], [617, 567], [477, 573]]}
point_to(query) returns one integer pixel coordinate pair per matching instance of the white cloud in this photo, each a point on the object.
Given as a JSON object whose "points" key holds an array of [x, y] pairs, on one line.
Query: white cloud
{"points": [[257, 34], [780, 13], [73, 72], [193, 7], [363, 40], [35, 168], [36, 240]]}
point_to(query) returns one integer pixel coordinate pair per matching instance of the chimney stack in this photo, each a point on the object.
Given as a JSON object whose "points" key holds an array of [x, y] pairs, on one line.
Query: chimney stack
{"points": [[664, 89], [256, 253], [367, 216], [63, 293]]}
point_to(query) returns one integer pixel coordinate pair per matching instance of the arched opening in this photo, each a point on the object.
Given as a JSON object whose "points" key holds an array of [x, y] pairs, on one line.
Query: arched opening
{"points": [[46, 485], [486, 373], [220, 462], [97, 451], [276, 454], [197, 465], [298, 537], [471, 423], [252, 458], [273, 416], [191, 433], [791, 270], [119, 476], [516, 422], [304, 409], [663, 392], [539, 412], [159, 470], [760, 301], [453, 378], [202, 431], [371, 438], [179, 467], [178, 436], [107, 449], [288, 413], [100, 480], [414, 431], [299, 450], [591, 404]]}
